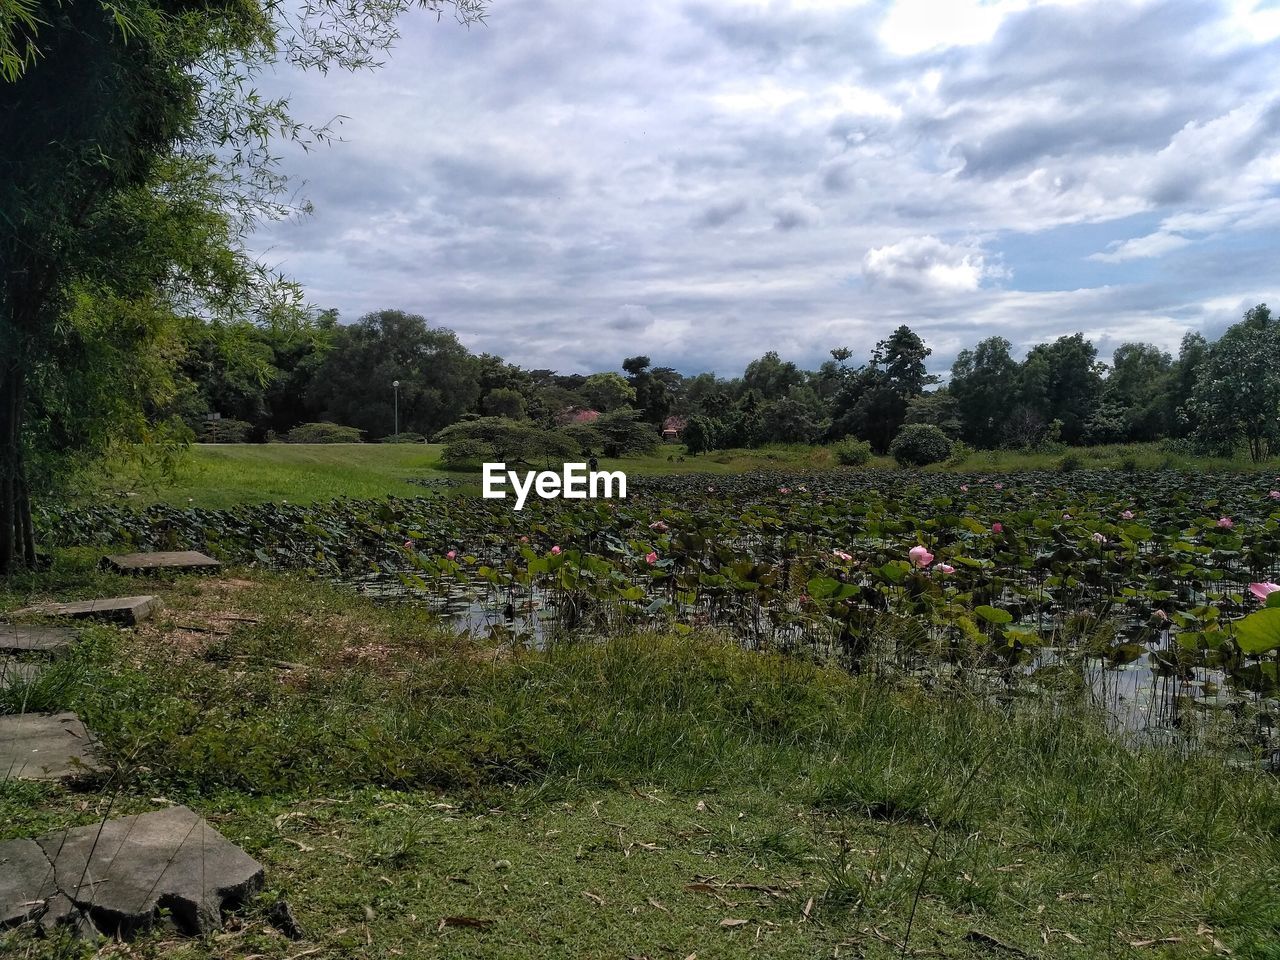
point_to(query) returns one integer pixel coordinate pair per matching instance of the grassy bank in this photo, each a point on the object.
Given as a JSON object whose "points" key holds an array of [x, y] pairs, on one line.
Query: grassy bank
{"points": [[222, 475], [415, 793]]}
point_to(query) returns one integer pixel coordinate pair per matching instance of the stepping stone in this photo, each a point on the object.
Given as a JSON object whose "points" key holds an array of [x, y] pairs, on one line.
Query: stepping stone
{"points": [[116, 877], [188, 561], [17, 638], [14, 671], [45, 746], [127, 610]]}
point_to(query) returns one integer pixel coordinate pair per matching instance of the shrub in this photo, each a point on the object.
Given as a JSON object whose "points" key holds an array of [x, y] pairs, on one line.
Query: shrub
{"points": [[1069, 463], [323, 433], [225, 431], [406, 437], [960, 452], [920, 444], [853, 453]]}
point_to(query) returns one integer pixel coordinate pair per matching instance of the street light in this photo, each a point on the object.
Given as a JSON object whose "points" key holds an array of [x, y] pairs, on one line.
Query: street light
{"points": [[396, 385]]}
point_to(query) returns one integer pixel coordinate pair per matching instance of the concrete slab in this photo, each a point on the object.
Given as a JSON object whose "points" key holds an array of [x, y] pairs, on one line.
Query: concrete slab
{"points": [[45, 746], [120, 876], [183, 561], [20, 638], [126, 610], [14, 671]]}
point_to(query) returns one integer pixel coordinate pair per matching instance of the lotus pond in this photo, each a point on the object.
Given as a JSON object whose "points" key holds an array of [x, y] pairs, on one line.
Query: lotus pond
{"points": [[1146, 591]]}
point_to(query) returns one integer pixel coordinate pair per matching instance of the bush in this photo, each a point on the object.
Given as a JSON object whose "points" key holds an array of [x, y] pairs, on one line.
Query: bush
{"points": [[323, 433], [1069, 463], [406, 437], [225, 431], [920, 444], [853, 453], [960, 452]]}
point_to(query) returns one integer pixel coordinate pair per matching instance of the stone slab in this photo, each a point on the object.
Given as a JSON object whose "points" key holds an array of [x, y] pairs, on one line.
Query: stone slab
{"points": [[121, 876], [14, 671], [20, 638], [45, 746], [126, 610], [186, 561]]}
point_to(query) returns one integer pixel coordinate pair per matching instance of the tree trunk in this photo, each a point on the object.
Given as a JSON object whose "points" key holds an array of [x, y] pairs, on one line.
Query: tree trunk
{"points": [[17, 533]]}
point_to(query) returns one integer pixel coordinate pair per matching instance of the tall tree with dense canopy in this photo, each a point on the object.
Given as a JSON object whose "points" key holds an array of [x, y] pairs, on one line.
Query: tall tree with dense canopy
{"points": [[134, 156], [983, 381], [1236, 398], [437, 376]]}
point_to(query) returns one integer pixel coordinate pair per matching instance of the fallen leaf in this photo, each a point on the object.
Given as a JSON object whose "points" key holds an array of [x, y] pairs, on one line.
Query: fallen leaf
{"points": [[593, 897], [730, 922], [473, 922]]}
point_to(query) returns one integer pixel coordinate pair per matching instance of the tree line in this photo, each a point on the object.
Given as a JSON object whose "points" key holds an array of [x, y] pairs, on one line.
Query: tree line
{"points": [[1216, 397]]}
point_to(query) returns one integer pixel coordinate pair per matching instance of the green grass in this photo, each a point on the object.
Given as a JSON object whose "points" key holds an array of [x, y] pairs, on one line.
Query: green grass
{"points": [[624, 798], [222, 475]]}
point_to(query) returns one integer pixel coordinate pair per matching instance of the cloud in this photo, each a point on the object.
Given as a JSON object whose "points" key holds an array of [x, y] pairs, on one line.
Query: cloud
{"points": [[927, 264], [704, 181]]}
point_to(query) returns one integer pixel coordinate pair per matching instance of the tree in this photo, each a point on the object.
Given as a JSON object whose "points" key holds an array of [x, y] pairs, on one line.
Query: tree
{"points": [[606, 392], [771, 377], [1136, 389], [134, 157], [1237, 392], [983, 381], [504, 402], [872, 404], [1062, 381], [624, 432], [700, 434], [498, 439], [437, 375], [938, 409]]}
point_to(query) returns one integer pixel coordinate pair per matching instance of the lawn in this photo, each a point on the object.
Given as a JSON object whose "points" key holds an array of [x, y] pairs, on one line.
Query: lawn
{"points": [[222, 475]]}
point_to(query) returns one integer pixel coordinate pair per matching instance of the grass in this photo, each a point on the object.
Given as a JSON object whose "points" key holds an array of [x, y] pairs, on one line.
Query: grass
{"points": [[223, 475], [635, 797]]}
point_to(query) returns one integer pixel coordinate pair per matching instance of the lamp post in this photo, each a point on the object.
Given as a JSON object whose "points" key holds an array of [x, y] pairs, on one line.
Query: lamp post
{"points": [[396, 386]]}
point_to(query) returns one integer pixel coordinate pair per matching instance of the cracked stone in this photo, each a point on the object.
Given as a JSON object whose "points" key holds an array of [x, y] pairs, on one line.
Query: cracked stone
{"points": [[126, 610], [45, 746], [122, 876]]}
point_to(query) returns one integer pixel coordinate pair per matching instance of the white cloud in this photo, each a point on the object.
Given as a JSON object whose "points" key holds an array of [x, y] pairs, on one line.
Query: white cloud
{"points": [[928, 264]]}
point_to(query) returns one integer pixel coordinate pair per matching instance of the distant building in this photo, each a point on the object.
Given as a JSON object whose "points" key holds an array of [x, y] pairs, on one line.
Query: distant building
{"points": [[672, 428], [575, 415]]}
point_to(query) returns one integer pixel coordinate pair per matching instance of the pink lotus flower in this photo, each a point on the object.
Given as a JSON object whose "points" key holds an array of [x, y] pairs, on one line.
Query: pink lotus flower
{"points": [[1226, 523], [452, 554], [997, 528], [920, 557], [651, 557], [1066, 516], [1263, 590], [524, 539], [1128, 515], [555, 550], [964, 488], [784, 489], [659, 526], [1274, 494], [1099, 539], [999, 486], [945, 568], [1160, 615], [408, 544], [841, 555]]}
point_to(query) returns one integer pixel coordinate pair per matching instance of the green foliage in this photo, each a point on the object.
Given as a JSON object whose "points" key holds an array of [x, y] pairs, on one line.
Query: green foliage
{"points": [[919, 445], [404, 437], [225, 431], [622, 433], [323, 432], [1236, 399], [701, 434], [853, 453], [607, 392], [498, 439]]}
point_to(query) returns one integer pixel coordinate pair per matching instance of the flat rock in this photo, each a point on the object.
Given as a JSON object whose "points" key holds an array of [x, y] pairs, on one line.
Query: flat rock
{"points": [[118, 877], [45, 746], [190, 561], [127, 610], [20, 638], [14, 671]]}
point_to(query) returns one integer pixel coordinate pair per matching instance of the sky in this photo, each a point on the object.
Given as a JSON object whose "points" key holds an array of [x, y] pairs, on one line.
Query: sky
{"points": [[573, 183]]}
